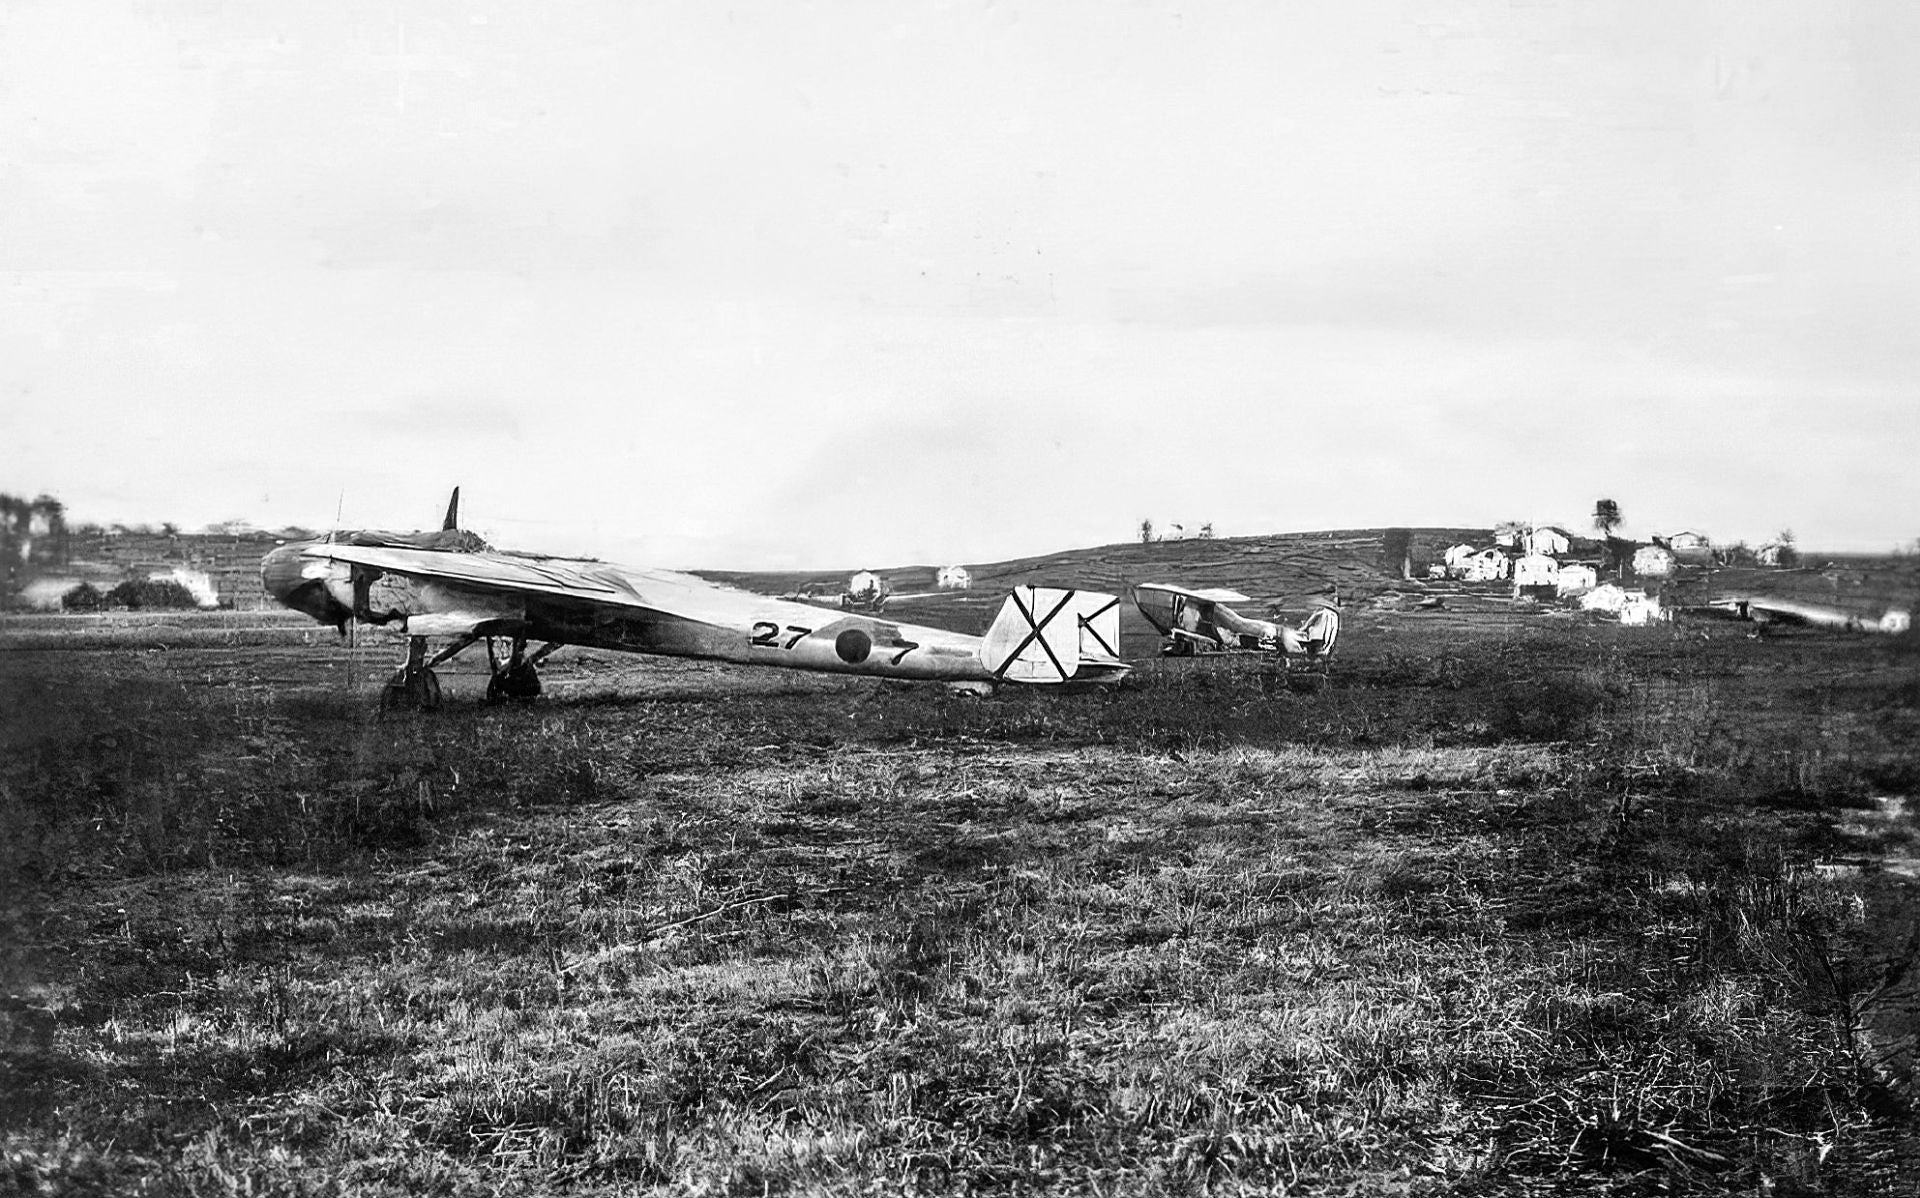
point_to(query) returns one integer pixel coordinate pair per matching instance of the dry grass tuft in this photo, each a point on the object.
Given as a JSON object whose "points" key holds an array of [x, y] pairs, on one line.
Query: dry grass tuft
{"points": [[1446, 925]]}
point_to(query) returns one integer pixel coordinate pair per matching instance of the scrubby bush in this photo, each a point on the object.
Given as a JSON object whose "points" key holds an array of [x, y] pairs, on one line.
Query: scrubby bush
{"points": [[85, 597], [150, 593]]}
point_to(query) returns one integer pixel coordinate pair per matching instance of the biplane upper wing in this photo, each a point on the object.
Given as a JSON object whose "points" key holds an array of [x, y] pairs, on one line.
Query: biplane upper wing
{"points": [[1206, 595], [1161, 602]]}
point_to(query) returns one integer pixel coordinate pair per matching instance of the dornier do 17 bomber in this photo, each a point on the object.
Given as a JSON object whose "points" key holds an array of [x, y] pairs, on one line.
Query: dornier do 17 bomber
{"points": [[1199, 621], [451, 584], [1763, 610]]}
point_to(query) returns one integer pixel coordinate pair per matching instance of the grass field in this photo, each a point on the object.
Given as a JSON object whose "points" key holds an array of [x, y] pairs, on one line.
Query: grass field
{"points": [[1510, 907]]}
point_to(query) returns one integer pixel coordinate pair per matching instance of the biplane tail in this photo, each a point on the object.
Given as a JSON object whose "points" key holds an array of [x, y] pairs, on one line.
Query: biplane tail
{"points": [[1050, 635], [1317, 633]]}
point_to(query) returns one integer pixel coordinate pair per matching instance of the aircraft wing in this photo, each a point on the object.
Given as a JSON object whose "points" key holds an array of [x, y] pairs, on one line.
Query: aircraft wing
{"points": [[671, 604], [493, 571], [1209, 595]]}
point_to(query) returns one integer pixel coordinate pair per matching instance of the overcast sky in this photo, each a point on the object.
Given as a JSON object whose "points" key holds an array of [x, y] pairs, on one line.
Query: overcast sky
{"points": [[838, 283]]}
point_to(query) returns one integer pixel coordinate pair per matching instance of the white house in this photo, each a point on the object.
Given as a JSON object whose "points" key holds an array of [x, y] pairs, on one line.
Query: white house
{"points": [[1653, 561], [1691, 547], [1549, 540], [1576, 579], [1456, 557], [1640, 609], [1508, 533], [1488, 565], [1632, 607], [1769, 554], [1536, 570], [953, 578], [1606, 598]]}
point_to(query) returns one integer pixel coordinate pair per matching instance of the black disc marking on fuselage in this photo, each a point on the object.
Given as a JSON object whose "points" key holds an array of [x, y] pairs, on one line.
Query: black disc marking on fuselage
{"points": [[853, 646]]}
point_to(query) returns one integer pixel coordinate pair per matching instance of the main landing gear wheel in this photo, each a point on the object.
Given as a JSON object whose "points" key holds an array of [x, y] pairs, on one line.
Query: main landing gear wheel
{"points": [[517, 679], [414, 686], [514, 683], [417, 690]]}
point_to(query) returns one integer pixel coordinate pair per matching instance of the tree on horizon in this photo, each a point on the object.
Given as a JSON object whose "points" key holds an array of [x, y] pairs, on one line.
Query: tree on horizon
{"points": [[1606, 516]]}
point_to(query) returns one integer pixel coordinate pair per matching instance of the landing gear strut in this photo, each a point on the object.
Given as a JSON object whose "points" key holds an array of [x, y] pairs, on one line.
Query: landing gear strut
{"points": [[517, 679], [414, 685]]}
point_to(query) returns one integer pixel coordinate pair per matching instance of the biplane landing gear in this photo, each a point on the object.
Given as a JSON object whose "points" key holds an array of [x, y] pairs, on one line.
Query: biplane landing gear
{"points": [[1313, 677], [414, 686], [517, 679]]}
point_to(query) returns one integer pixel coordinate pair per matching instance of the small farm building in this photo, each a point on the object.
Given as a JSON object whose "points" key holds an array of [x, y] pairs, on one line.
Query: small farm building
{"points": [[1654, 561], [1691, 547], [1549, 540], [1488, 565], [1575, 579], [1536, 570]]}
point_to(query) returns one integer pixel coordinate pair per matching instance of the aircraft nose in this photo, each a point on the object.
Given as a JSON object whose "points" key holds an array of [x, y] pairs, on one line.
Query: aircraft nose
{"points": [[300, 583], [280, 571]]}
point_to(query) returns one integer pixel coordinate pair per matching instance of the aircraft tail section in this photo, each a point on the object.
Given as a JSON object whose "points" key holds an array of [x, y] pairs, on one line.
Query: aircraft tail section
{"points": [[1050, 635], [1319, 631]]}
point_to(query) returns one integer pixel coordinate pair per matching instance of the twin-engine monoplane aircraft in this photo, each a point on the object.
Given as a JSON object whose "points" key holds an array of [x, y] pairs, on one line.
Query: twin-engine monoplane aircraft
{"points": [[1765, 609], [452, 584], [1199, 621]]}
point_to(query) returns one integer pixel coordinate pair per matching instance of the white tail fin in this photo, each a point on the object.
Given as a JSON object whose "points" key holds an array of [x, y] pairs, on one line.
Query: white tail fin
{"points": [[1319, 631], [1047, 634]]}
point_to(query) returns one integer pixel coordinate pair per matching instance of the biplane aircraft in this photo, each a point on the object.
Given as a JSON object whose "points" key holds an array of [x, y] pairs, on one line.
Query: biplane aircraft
{"points": [[450, 583], [1199, 621]]}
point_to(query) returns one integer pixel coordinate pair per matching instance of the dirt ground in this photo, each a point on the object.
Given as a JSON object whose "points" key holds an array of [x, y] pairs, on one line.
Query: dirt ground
{"points": [[1509, 905]]}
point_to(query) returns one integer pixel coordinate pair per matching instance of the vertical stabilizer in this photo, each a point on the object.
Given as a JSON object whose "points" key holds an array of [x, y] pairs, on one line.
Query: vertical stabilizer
{"points": [[453, 513], [1047, 634]]}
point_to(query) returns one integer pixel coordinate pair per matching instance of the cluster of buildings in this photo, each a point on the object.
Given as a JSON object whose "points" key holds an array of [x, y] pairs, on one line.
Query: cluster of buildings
{"points": [[1544, 562], [1174, 532]]}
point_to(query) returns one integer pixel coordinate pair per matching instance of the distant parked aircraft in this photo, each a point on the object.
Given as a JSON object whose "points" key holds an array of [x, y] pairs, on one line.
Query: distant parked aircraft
{"points": [[866, 591], [1763, 610], [1199, 621], [451, 583]]}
